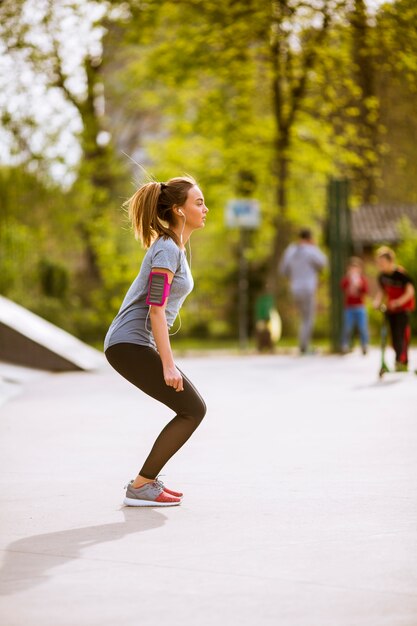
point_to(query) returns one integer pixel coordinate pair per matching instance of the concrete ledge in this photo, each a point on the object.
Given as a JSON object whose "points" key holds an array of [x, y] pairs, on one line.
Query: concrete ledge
{"points": [[27, 339]]}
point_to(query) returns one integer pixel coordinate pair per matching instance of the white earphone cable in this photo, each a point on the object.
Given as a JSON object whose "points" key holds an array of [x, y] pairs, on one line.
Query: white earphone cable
{"points": [[150, 329], [183, 226]]}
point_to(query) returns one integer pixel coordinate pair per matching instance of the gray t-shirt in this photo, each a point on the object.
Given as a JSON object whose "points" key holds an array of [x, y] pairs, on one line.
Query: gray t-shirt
{"points": [[132, 323], [301, 263]]}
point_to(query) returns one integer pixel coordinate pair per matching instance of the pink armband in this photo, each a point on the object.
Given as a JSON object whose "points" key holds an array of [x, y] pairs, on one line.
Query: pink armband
{"points": [[158, 290]]}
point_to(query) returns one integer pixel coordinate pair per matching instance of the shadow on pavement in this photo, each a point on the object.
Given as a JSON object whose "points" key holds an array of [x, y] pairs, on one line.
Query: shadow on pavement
{"points": [[377, 384], [28, 561]]}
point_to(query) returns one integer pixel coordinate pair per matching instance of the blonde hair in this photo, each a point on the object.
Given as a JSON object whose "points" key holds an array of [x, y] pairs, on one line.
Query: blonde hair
{"points": [[150, 208], [385, 253]]}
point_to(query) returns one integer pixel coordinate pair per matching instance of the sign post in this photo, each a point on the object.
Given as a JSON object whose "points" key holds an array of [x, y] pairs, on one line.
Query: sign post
{"points": [[243, 213]]}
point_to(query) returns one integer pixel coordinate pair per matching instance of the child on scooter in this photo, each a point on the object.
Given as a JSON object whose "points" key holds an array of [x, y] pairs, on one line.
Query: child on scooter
{"points": [[396, 290]]}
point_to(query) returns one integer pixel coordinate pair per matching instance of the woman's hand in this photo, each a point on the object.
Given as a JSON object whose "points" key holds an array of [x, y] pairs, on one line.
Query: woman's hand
{"points": [[173, 378]]}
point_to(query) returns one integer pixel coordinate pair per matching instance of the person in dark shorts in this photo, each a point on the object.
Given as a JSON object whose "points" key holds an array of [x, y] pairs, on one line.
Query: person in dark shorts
{"points": [[396, 290], [137, 344]]}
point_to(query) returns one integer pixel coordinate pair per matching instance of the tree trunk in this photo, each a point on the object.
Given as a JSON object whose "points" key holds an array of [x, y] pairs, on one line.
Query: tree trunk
{"points": [[364, 76], [282, 225], [288, 90], [96, 168]]}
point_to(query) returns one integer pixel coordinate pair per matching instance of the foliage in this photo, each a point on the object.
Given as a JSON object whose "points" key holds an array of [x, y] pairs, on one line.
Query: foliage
{"points": [[407, 255], [289, 91]]}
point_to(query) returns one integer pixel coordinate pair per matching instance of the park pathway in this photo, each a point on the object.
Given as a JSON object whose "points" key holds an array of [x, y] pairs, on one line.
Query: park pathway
{"points": [[300, 503]]}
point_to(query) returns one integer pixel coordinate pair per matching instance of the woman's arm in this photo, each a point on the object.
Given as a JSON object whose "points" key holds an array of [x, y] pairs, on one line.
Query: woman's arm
{"points": [[159, 326]]}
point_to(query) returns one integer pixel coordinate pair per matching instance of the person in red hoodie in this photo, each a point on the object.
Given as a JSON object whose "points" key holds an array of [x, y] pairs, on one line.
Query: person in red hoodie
{"points": [[355, 287], [396, 291]]}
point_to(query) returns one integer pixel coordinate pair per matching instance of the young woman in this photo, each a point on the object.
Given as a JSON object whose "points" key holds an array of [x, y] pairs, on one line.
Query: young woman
{"points": [[137, 344]]}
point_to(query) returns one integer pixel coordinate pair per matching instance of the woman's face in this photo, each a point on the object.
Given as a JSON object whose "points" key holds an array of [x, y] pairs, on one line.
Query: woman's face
{"points": [[194, 209]]}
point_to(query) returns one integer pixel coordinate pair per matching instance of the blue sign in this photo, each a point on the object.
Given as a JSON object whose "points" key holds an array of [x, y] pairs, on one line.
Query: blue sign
{"points": [[243, 213]]}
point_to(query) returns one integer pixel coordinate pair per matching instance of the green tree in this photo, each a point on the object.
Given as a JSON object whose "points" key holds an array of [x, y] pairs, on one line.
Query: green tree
{"points": [[288, 91], [407, 254], [34, 40], [367, 102], [396, 41], [245, 70]]}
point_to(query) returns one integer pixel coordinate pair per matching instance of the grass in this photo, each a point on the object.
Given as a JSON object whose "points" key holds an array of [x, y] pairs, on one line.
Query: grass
{"points": [[191, 344], [182, 345]]}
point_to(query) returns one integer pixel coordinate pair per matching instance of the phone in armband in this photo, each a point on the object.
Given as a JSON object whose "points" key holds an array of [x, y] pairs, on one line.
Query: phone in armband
{"points": [[158, 290]]}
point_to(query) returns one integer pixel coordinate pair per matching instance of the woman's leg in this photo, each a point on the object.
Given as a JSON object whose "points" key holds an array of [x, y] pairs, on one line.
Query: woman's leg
{"points": [[142, 366]]}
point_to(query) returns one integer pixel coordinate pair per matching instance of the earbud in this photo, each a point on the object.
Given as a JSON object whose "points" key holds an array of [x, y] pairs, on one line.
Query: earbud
{"points": [[183, 224]]}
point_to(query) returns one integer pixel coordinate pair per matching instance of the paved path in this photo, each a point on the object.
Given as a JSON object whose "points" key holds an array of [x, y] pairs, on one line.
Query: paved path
{"points": [[300, 508]]}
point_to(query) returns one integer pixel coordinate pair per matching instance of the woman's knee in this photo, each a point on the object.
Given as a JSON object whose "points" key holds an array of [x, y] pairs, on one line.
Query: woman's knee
{"points": [[203, 410], [197, 412]]}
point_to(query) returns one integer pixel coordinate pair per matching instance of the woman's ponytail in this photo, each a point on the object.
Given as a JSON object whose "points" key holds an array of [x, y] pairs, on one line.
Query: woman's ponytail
{"points": [[150, 208], [143, 212]]}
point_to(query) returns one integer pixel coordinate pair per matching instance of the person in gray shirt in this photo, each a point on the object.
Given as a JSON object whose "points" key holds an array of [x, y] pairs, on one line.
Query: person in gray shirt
{"points": [[301, 264], [137, 344]]}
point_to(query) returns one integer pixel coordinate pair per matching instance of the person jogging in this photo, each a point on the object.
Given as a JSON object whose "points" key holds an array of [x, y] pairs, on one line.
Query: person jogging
{"points": [[396, 288], [301, 263], [137, 343]]}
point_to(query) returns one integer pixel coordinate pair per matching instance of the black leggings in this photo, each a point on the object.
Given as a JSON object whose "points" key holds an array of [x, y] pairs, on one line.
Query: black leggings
{"points": [[400, 333], [142, 366]]}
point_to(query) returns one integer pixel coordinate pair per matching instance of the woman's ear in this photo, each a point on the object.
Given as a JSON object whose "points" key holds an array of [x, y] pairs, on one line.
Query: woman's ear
{"points": [[178, 210]]}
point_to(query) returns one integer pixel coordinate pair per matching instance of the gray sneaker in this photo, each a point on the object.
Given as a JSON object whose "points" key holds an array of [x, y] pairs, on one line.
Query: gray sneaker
{"points": [[151, 494]]}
